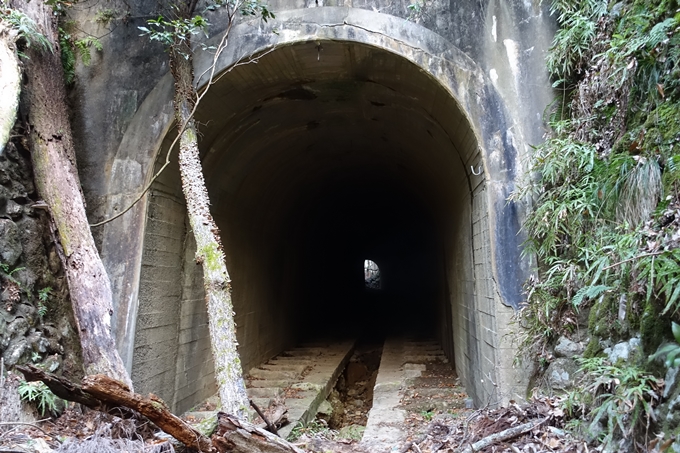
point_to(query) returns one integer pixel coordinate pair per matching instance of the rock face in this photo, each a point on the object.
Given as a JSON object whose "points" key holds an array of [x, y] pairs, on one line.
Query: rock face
{"points": [[561, 373], [10, 242], [623, 351], [35, 314], [567, 348]]}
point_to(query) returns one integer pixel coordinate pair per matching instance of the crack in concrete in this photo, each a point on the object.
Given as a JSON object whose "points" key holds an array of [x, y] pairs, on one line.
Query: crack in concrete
{"points": [[368, 30]]}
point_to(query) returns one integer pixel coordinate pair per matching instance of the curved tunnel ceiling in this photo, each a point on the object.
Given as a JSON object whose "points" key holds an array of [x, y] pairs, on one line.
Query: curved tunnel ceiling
{"points": [[340, 147]]}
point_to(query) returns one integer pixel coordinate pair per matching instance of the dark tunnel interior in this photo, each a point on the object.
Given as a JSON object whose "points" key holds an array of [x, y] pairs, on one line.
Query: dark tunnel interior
{"points": [[366, 219], [315, 163]]}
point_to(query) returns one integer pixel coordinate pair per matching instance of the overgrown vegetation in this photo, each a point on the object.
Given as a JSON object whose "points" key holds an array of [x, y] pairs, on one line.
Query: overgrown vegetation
{"points": [[38, 394], [72, 48], [605, 225], [26, 29], [613, 405]]}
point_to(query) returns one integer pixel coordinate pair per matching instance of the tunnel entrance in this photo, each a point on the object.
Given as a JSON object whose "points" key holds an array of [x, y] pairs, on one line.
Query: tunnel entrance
{"points": [[371, 275], [314, 161]]}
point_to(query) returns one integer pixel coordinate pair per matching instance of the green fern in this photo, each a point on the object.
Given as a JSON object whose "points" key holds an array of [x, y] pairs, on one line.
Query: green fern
{"points": [[26, 28], [39, 394], [588, 292], [68, 57], [84, 46]]}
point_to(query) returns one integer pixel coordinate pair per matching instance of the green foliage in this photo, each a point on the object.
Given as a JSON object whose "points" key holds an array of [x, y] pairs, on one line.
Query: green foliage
{"points": [[662, 276], [608, 173], [84, 46], [571, 47], [427, 415], [106, 15], [68, 57], [25, 27], [605, 194], [4, 267], [168, 31], [616, 402], [588, 292], [417, 10], [38, 394], [176, 32], [43, 297], [44, 294], [71, 48], [59, 6], [670, 352], [254, 8]]}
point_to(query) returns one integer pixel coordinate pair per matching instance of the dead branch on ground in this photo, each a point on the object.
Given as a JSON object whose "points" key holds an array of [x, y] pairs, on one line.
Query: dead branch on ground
{"points": [[103, 393], [502, 436]]}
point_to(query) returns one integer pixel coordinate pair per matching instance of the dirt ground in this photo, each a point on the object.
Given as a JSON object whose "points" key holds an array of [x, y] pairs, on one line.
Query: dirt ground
{"points": [[429, 432], [453, 430]]}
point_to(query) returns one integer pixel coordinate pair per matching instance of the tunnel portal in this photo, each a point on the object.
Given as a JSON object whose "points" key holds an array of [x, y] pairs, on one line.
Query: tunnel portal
{"points": [[319, 155]]}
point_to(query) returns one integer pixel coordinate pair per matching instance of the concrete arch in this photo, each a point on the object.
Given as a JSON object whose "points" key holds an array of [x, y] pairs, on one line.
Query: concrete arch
{"points": [[482, 279]]}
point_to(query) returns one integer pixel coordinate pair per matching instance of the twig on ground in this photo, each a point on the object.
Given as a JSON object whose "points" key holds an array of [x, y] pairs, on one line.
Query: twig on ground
{"points": [[412, 444], [502, 436], [471, 417], [32, 425], [271, 428]]}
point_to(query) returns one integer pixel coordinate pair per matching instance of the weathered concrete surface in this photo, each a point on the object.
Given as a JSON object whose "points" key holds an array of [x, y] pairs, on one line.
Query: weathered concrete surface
{"points": [[384, 428], [414, 377], [307, 374], [432, 119]]}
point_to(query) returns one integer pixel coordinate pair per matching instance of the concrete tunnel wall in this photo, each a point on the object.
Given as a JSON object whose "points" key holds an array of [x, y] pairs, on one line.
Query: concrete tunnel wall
{"points": [[318, 156], [386, 106]]}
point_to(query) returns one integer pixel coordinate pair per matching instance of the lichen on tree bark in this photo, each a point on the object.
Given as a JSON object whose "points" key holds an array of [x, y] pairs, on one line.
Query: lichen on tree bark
{"points": [[209, 251]]}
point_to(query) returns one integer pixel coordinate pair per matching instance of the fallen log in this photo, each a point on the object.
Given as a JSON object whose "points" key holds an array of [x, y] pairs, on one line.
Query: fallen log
{"points": [[60, 386], [234, 435], [103, 393], [502, 436], [115, 393]]}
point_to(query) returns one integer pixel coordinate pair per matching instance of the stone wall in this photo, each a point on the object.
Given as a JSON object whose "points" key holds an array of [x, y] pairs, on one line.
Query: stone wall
{"points": [[36, 318]]}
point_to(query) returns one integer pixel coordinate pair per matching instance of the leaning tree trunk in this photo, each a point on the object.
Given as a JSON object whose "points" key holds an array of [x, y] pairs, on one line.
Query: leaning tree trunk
{"points": [[209, 252], [52, 151]]}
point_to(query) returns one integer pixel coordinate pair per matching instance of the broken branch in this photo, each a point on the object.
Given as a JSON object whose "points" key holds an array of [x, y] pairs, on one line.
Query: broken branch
{"points": [[502, 436], [103, 393], [270, 427], [235, 436]]}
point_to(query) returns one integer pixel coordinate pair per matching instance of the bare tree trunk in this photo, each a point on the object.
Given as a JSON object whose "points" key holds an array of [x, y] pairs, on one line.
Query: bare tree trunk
{"points": [[56, 176], [209, 251]]}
